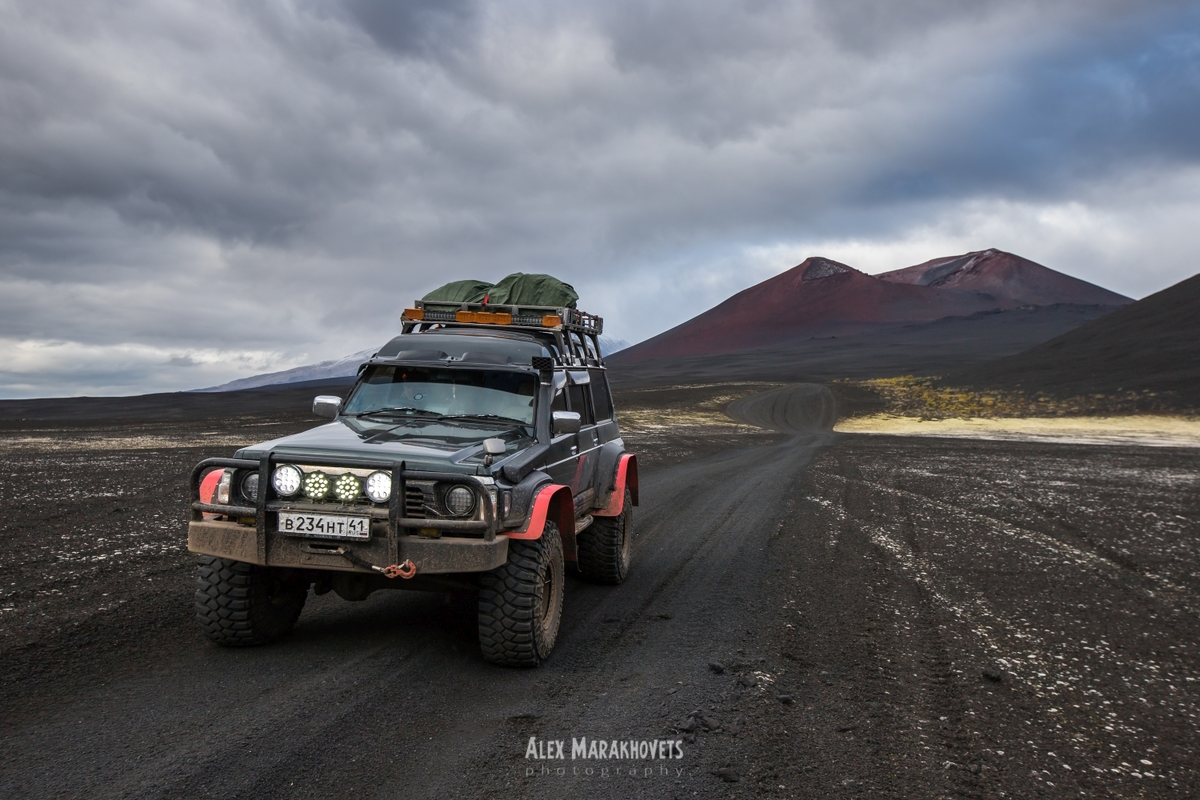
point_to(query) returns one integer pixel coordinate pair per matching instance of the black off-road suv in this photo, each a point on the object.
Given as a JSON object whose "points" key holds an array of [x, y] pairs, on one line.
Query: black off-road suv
{"points": [[478, 450]]}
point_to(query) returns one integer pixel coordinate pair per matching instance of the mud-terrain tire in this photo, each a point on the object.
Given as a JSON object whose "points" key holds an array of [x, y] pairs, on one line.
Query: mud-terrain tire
{"points": [[603, 546], [520, 602], [241, 605]]}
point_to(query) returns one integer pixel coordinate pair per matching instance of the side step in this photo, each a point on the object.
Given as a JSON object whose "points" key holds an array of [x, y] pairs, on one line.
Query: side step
{"points": [[582, 523]]}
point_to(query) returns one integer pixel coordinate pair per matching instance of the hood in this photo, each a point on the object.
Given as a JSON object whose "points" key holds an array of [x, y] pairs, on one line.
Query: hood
{"points": [[429, 443]]}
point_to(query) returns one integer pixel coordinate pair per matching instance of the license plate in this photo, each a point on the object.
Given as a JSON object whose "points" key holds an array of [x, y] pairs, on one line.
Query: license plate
{"points": [[324, 526]]}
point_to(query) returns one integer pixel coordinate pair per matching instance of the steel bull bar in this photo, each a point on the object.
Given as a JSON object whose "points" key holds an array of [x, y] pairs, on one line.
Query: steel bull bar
{"points": [[399, 554]]}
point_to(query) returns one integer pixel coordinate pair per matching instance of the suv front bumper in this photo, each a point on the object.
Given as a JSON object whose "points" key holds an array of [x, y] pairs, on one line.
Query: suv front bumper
{"points": [[263, 544], [431, 556]]}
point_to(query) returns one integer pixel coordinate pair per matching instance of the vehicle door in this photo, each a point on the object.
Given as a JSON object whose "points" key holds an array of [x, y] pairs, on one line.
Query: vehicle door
{"points": [[562, 457], [579, 400], [606, 416]]}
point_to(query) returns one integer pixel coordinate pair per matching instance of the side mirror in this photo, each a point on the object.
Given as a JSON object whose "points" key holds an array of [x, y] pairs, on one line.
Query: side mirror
{"points": [[326, 405], [491, 449], [565, 422]]}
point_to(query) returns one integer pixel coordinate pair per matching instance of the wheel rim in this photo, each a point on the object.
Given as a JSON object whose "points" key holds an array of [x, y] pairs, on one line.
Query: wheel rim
{"points": [[547, 610], [547, 598]]}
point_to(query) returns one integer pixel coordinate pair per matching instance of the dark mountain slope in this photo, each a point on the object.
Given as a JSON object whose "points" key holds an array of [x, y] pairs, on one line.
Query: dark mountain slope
{"points": [[1151, 345], [926, 349]]}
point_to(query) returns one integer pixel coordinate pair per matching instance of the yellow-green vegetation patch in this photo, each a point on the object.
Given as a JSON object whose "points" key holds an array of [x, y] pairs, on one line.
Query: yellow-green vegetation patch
{"points": [[1147, 429], [683, 406], [923, 398]]}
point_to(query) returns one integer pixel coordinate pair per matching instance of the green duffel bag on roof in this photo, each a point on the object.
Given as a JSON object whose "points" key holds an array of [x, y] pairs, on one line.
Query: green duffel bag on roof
{"points": [[533, 289], [455, 292]]}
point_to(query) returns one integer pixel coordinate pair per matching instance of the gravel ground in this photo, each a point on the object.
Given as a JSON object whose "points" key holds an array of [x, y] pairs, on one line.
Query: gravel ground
{"points": [[808, 615]]}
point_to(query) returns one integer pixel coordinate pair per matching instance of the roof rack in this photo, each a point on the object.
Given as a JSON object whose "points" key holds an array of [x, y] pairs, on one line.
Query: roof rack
{"points": [[516, 316], [562, 322]]}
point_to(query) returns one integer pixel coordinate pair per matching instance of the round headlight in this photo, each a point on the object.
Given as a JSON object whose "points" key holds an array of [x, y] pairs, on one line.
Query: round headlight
{"points": [[379, 487], [287, 480], [250, 486], [347, 488], [460, 500], [316, 485]]}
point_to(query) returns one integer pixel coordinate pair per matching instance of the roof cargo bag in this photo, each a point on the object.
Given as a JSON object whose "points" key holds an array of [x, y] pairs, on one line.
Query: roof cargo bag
{"points": [[532, 289], [455, 292]]}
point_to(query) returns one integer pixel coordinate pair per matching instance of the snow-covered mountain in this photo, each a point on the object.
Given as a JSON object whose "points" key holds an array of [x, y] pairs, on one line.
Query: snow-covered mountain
{"points": [[326, 370], [343, 368], [609, 346]]}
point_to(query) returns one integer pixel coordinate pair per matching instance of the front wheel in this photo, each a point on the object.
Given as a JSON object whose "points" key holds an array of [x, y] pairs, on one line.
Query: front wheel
{"points": [[520, 602], [240, 604], [604, 546]]}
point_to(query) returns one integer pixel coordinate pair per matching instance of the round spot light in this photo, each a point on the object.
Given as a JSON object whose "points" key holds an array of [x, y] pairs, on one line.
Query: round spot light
{"points": [[316, 485], [347, 488], [460, 500], [379, 487], [250, 486], [287, 480]]}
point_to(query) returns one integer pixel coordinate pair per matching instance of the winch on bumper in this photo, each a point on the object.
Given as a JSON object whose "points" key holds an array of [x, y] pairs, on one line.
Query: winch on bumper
{"points": [[251, 533]]}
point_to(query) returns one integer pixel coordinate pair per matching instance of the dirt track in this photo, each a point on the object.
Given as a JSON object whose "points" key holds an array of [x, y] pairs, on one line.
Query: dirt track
{"points": [[852, 594]]}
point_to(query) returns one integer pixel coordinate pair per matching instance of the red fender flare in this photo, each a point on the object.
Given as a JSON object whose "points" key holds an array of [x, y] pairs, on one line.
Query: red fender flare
{"points": [[208, 489], [627, 475], [208, 486], [563, 512]]}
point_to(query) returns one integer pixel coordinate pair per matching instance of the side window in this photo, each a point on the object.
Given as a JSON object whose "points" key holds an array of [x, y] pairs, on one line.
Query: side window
{"points": [[600, 396], [560, 402], [577, 345], [582, 403]]}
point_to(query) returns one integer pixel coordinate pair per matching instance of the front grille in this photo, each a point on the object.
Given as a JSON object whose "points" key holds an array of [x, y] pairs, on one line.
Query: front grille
{"points": [[418, 495], [414, 503]]}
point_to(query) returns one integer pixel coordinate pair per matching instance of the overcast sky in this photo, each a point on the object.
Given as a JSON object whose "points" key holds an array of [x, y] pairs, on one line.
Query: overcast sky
{"points": [[192, 192]]}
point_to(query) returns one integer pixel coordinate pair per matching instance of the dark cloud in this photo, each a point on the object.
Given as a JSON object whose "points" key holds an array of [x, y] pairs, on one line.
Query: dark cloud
{"points": [[1093, 109], [425, 28], [245, 187]]}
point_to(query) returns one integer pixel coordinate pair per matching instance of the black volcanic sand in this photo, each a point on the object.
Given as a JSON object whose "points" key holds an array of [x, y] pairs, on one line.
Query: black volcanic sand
{"points": [[171, 407], [814, 615], [1150, 346], [934, 348]]}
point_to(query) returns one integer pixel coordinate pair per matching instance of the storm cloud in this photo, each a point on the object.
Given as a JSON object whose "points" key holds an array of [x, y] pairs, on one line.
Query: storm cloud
{"points": [[193, 192]]}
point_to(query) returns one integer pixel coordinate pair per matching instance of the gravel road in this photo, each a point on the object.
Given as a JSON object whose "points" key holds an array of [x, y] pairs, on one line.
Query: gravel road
{"points": [[808, 615]]}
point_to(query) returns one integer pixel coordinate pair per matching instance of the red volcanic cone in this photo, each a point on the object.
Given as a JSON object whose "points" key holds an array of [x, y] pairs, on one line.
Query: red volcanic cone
{"points": [[823, 297], [1012, 280], [820, 296]]}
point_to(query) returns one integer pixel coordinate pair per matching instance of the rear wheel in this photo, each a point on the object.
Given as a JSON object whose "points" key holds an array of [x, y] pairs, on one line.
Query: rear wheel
{"points": [[604, 546], [240, 604], [520, 602]]}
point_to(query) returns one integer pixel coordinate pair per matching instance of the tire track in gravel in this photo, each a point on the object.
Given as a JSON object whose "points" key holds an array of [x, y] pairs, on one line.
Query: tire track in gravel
{"points": [[1097, 687], [890, 721], [1082, 557]]}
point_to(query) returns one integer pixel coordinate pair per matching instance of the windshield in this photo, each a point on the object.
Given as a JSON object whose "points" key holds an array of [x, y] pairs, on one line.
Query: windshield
{"points": [[433, 391]]}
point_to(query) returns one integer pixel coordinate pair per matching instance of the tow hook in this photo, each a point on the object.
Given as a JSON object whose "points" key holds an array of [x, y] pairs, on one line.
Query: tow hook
{"points": [[406, 570]]}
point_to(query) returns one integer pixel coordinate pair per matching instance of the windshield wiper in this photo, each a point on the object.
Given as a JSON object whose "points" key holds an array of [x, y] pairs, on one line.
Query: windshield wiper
{"points": [[488, 418], [398, 411]]}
